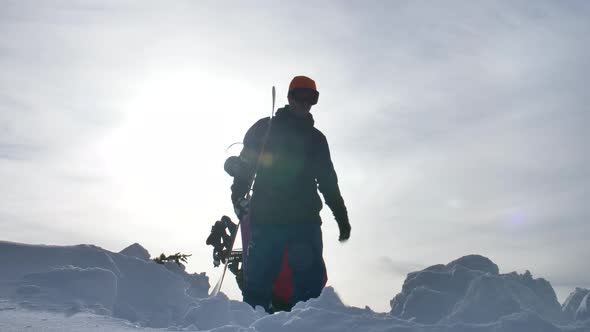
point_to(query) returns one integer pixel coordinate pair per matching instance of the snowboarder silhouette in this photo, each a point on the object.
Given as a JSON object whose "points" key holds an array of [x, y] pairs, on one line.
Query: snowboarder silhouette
{"points": [[283, 262]]}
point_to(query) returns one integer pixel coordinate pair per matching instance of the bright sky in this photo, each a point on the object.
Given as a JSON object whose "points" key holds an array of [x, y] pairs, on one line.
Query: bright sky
{"points": [[455, 127]]}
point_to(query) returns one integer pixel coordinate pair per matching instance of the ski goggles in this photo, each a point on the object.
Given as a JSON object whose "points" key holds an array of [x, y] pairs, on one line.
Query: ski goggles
{"points": [[305, 95]]}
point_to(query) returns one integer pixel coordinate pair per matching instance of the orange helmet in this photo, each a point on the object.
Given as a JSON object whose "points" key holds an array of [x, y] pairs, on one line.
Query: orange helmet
{"points": [[304, 88]]}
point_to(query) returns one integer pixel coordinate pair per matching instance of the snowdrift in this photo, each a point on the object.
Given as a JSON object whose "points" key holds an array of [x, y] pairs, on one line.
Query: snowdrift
{"points": [[470, 289], [84, 282], [89, 277]]}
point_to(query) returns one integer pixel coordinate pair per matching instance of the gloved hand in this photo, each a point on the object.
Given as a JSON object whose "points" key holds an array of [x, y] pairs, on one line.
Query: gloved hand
{"points": [[242, 207], [344, 227]]}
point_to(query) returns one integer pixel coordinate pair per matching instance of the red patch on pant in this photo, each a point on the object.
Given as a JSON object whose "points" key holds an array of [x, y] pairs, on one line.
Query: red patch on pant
{"points": [[282, 286]]}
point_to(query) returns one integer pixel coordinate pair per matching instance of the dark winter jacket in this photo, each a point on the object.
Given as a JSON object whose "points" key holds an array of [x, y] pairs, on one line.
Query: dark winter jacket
{"points": [[296, 162]]}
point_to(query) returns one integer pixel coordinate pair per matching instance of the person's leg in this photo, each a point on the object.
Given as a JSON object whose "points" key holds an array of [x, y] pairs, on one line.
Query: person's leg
{"points": [[282, 288], [306, 262], [263, 264]]}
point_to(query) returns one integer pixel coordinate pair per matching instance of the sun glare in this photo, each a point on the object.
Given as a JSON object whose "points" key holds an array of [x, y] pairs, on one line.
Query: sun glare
{"points": [[161, 153], [159, 128], [166, 156]]}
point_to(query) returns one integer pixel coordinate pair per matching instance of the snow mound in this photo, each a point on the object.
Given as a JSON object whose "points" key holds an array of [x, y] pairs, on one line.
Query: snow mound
{"points": [[471, 290], [93, 289], [577, 304], [475, 263], [87, 277], [137, 251], [583, 312]]}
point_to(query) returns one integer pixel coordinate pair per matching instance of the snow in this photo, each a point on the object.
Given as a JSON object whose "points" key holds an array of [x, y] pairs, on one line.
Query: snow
{"points": [[87, 288], [137, 251], [577, 304], [472, 290]]}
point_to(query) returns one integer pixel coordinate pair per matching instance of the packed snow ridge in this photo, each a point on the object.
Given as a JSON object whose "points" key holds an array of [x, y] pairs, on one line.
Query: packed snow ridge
{"points": [[468, 294]]}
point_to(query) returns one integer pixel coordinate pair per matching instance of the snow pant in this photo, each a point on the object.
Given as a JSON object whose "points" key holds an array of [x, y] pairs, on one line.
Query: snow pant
{"points": [[272, 246]]}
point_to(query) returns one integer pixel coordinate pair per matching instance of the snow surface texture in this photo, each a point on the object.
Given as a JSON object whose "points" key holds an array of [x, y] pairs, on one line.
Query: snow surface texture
{"points": [[89, 277], [137, 251], [470, 289], [86, 288], [577, 305]]}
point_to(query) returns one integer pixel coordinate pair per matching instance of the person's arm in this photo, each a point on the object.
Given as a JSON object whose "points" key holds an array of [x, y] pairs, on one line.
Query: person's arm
{"points": [[328, 185], [249, 155]]}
